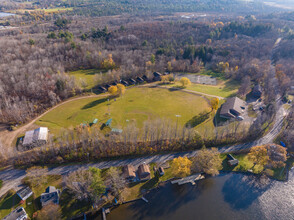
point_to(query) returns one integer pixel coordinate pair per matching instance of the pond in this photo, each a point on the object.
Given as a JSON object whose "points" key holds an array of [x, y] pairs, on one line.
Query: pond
{"points": [[227, 196]]}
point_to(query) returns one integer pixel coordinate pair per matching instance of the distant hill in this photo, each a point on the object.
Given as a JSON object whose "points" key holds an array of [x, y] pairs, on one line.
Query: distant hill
{"points": [[114, 7]]}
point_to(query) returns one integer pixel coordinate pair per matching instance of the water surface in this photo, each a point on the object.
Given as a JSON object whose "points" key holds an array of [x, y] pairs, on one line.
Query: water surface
{"points": [[227, 196]]}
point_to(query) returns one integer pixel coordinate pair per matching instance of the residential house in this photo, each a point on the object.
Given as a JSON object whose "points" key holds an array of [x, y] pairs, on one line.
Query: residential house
{"points": [[232, 108], [129, 173], [24, 193], [51, 195], [35, 138], [17, 214], [144, 172]]}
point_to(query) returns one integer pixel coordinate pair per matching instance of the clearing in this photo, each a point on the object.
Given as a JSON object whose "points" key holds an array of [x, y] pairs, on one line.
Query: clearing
{"points": [[138, 104]]}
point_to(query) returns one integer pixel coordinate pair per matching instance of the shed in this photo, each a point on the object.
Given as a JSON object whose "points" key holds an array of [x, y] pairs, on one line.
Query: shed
{"points": [[17, 214], [24, 193], [232, 108], [129, 172], [144, 172]]}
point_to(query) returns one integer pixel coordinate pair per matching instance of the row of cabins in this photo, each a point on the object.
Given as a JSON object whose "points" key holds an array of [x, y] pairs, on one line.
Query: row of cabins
{"points": [[50, 196], [131, 81]]}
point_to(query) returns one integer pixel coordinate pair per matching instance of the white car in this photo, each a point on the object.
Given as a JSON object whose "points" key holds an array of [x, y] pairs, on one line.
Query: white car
{"points": [[240, 118]]}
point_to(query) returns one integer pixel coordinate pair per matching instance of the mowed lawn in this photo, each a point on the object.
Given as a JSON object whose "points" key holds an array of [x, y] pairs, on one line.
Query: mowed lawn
{"points": [[87, 75], [137, 105], [223, 89]]}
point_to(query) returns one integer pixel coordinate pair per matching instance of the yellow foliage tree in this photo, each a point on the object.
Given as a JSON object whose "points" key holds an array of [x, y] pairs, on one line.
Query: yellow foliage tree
{"points": [[121, 89], [258, 155], [112, 90], [108, 63], [181, 166], [169, 66], [214, 102], [185, 81]]}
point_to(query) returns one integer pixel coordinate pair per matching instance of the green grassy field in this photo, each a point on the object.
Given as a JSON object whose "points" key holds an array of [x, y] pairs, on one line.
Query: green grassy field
{"points": [[87, 75], [138, 105], [223, 89]]}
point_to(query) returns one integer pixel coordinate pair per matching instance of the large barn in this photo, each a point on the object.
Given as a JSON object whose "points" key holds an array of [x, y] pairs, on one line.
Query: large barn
{"points": [[36, 137]]}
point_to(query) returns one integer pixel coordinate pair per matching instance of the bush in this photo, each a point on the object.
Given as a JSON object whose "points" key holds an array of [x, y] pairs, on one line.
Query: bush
{"points": [[1, 183]]}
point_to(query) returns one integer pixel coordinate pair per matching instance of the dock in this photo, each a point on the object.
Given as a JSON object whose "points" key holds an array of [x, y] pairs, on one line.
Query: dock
{"points": [[190, 179], [144, 199]]}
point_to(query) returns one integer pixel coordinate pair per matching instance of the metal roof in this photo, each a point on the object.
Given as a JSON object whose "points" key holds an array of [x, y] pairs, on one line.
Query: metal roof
{"points": [[38, 134]]}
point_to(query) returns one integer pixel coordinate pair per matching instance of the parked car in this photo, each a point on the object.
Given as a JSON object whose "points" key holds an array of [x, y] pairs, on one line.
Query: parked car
{"points": [[240, 118]]}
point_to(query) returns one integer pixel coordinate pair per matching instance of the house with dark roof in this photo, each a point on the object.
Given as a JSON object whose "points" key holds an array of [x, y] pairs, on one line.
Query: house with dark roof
{"points": [[36, 137], [232, 108], [24, 193], [144, 172], [129, 173], [17, 214], [257, 91], [51, 195]]}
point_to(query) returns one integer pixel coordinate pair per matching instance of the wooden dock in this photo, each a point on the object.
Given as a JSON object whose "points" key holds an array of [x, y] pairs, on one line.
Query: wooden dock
{"points": [[190, 179]]}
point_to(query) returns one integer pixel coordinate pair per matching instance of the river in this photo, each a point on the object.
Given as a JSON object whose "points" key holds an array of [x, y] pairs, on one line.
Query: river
{"points": [[227, 196], [4, 14]]}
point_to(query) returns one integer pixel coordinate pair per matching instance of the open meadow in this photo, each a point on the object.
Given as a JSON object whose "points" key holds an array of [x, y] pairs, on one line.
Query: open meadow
{"points": [[136, 105]]}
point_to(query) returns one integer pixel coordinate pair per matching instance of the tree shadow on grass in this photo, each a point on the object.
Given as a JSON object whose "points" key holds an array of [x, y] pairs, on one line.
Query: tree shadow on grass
{"points": [[197, 120], [10, 201], [94, 103]]}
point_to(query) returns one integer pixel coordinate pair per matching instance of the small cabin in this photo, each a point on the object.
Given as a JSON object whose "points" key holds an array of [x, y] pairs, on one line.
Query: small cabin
{"points": [[139, 79], [125, 83], [132, 81], [157, 76], [145, 78], [102, 89], [129, 173], [144, 172]]}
